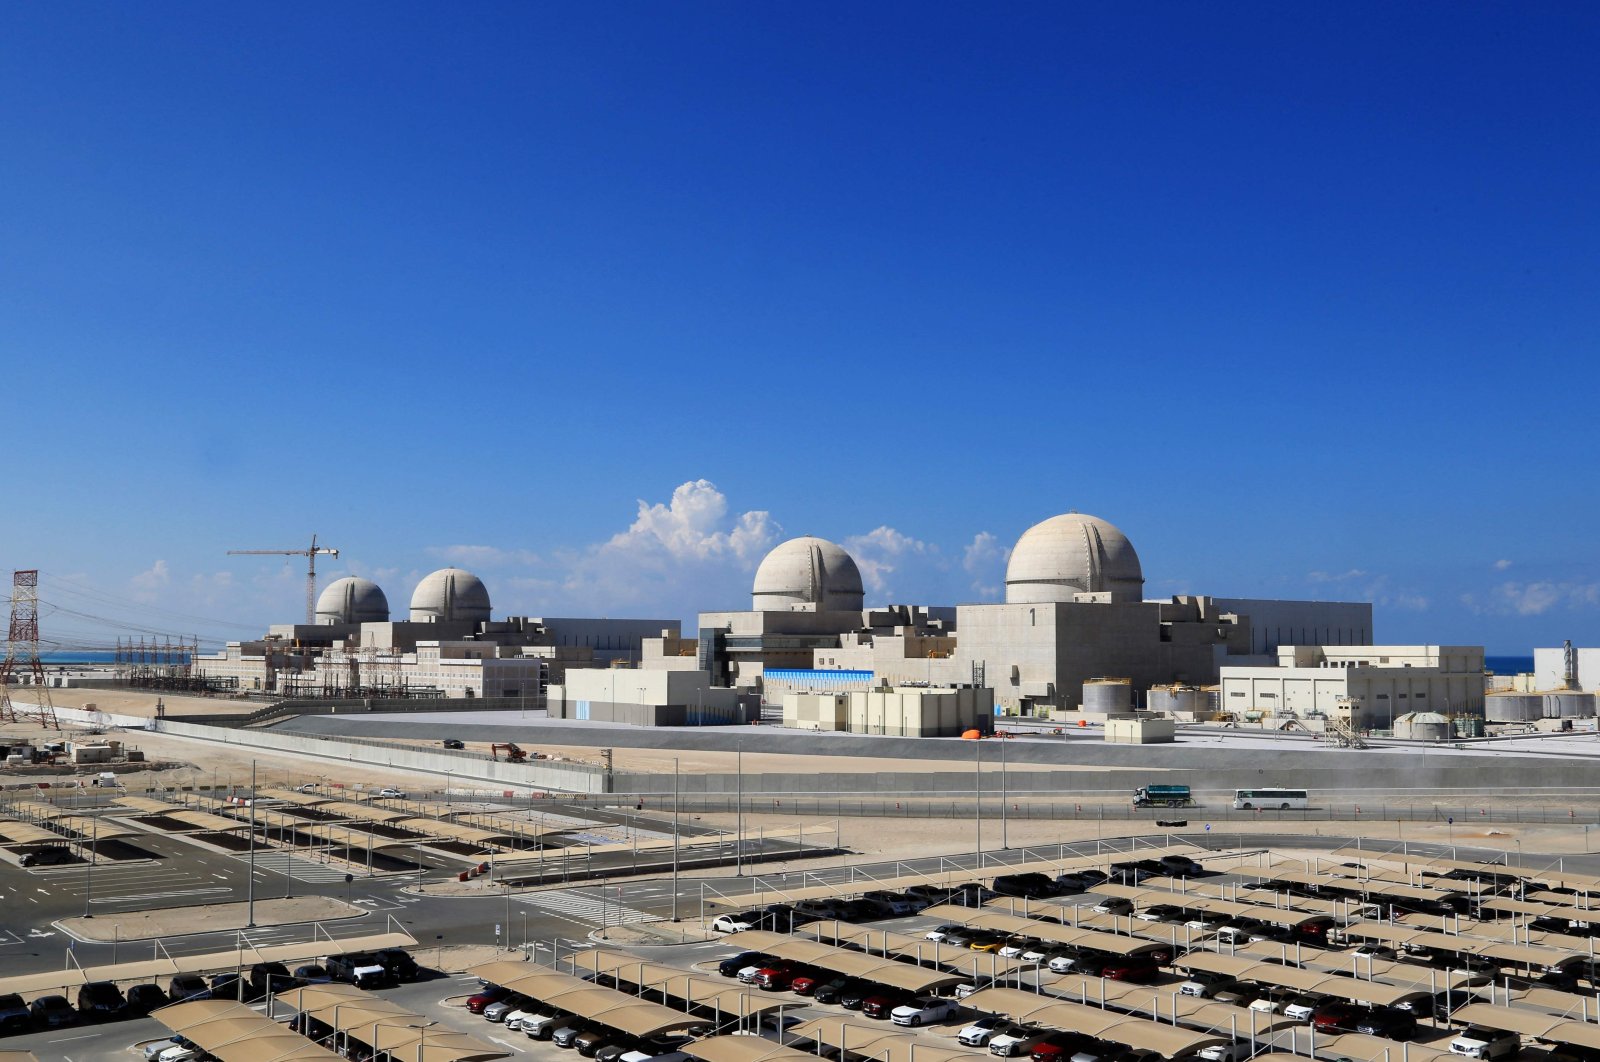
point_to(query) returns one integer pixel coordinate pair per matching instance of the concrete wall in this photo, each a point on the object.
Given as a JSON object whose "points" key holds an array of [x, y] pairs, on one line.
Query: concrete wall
{"points": [[1549, 669], [1275, 623]]}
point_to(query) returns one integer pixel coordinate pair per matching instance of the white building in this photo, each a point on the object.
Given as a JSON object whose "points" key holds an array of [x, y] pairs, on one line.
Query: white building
{"points": [[1373, 685]]}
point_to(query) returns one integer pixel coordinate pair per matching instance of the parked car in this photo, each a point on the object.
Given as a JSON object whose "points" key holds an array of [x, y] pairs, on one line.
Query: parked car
{"points": [[1014, 946], [399, 964], [1059, 1047], [939, 933], [1015, 1040], [271, 977], [156, 1048], [490, 994], [541, 1023], [1114, 905], [1238, 994], [187, 987], [978, 1033], [1376, 951], [1134, 969], [51, 1012], [922, 1010], [1303, 1006], [312, 975], [589, 1041], [454, 743], [895, 904], [732, 924], [360, 968], [1031, 886], [48, 855], [1337, 1016], [854, 995], [731, 966], [1236, 1051], [883, 1003], [1180, 866], [1388, 1022], [231, 986], [506, 1004], [14, 1015], [566, 1035], [1478, 1042], [390, 793], [1200, 980], [835, 990], [1164, 913]]}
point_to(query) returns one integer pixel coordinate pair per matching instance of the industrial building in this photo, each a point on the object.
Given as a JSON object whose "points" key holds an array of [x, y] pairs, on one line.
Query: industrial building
{"points": [[448, 646], [1074, 610], [1368, 687]]}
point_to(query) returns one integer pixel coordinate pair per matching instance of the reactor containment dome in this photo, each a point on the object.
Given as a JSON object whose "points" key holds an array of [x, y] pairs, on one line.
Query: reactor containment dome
{"points": [[807, 573], [1073, 554], [450, 595], [352, 600]]}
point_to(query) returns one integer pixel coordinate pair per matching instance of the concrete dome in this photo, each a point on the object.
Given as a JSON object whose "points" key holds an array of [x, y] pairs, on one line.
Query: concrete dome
{"points": [[807, 572], [450, 594], [352, 600], [1073, 554]]}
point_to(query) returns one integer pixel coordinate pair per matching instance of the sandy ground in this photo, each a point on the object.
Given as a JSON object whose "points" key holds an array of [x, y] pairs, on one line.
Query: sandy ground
{"points": [[211, 918], [141, 702]]}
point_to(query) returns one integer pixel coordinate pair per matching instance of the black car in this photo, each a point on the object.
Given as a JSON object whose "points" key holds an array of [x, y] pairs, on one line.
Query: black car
{"points": [[1180, 866], [854, 994], [731, 966], [1031, 886], [834, 989], [100, 1000], [47, 855], [398, 962], [454, 743], [1387, 1022], [271, 977], [186, 987], [142, 999], [782, 918], [231, 986], [311, 975], [14, 1015], [50, 1012]]}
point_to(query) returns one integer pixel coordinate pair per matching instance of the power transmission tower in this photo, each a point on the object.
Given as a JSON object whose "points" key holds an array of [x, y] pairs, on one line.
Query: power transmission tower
{"points": [[22, 650]]}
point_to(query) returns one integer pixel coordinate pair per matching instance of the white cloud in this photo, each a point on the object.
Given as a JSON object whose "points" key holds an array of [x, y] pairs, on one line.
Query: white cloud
{"points": [[1360, 584], [484, 556], [676, 557], [1340, 577], [153, 578], [1501, 565], [1537, 598], [984, 559], [880, 553]]}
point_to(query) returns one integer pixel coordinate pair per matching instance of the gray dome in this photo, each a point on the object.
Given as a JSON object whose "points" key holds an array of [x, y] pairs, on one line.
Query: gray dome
{"points": [[807, 573], [450, 594], [1073, 554], [352, 600]]}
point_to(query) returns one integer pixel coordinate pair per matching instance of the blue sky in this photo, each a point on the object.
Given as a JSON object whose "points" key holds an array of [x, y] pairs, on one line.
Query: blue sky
{"points": [[600, 300]]}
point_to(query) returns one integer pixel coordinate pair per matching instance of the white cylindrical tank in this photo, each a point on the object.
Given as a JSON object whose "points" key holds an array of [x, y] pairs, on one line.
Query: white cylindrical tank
{"points": [[1568, 704], [1512, 707], [1422, 726], [1108, 696], [1179, 700]]}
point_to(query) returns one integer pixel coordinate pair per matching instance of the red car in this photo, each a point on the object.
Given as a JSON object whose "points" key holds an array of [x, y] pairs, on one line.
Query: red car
{"points": [[1337, 1016], [490, 994], [1135, 971], [882, 1004], [811, 980], [779, 974], [1058, 1047]]}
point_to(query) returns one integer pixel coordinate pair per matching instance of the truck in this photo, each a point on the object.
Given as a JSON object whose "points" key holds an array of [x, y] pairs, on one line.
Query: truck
{"points": [[1163, 796]]}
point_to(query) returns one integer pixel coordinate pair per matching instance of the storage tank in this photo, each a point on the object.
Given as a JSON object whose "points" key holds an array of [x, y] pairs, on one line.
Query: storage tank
{"points": [[1179, 700], [1512, 707], [1469, 726], [1422, 726], [1568, 704], [1108, 696]]}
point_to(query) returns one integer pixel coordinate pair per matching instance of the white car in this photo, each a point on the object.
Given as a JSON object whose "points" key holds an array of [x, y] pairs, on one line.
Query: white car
{"points": [[514, 1020], [387, 793], [1014, 950], [178, 1054], [1014, 1041], [747, 974], [939, 932], [1486, 1043], [730, 924], [1237, 1051], [1062, 964], [309, 787], [1203, 923], [922, 1010], [155, 1049], [1299, 1010], [1114, 905], [978, 1033], [1036, 953], [537, 1025]]}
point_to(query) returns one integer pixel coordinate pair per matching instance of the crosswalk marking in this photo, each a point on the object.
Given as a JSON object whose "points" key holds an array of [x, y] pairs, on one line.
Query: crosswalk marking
{"points": [[280, 862], [587, 908]]}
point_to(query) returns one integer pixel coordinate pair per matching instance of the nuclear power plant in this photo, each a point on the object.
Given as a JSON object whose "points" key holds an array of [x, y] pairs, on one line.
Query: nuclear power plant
{"points": [[1075, 639]]}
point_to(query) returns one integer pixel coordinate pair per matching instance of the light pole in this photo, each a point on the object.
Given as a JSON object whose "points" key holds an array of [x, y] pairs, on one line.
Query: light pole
{"points": [[88, 878], [738, 838], [447, 788], [250, 885], [674, 838], [1005, 841], [977, 799]]}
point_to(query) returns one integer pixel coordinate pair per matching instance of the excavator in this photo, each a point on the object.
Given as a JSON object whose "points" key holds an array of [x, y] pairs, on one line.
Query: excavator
{"points": [[514, 754]]}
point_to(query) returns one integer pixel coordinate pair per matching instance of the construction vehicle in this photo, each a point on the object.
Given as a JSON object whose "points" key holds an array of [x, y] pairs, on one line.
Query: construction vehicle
{"points": [[514, 754], [1163, 796]]}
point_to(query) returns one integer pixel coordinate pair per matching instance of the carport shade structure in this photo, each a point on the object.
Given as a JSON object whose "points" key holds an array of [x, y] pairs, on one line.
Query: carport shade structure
{"points": [[405, 1035], [743, 1049], [697, 991], [1136, 1032], [918, 949], [1300, 980], [889, 972], [616, 1010], [1546, 1027], [876, 1042], [234, 1032]]}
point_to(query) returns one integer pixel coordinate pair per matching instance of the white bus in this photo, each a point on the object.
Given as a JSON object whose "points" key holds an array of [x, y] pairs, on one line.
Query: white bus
{"points": [[1282, 799]]}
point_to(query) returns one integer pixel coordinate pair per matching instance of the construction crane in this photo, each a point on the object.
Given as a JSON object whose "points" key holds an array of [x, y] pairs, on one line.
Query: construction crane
{"points": [[311, 569]]}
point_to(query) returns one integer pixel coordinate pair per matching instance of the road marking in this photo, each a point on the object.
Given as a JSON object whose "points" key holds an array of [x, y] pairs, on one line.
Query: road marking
{"points": [[582, 907], [128, 897]]}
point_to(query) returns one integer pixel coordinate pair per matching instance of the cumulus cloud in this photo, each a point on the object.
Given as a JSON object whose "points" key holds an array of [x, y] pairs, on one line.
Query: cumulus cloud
{"points": [[984, 560], [153, 578], [677, 556], [880, 553], [1336, 577], [1378, 588], [1501, 565]]}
